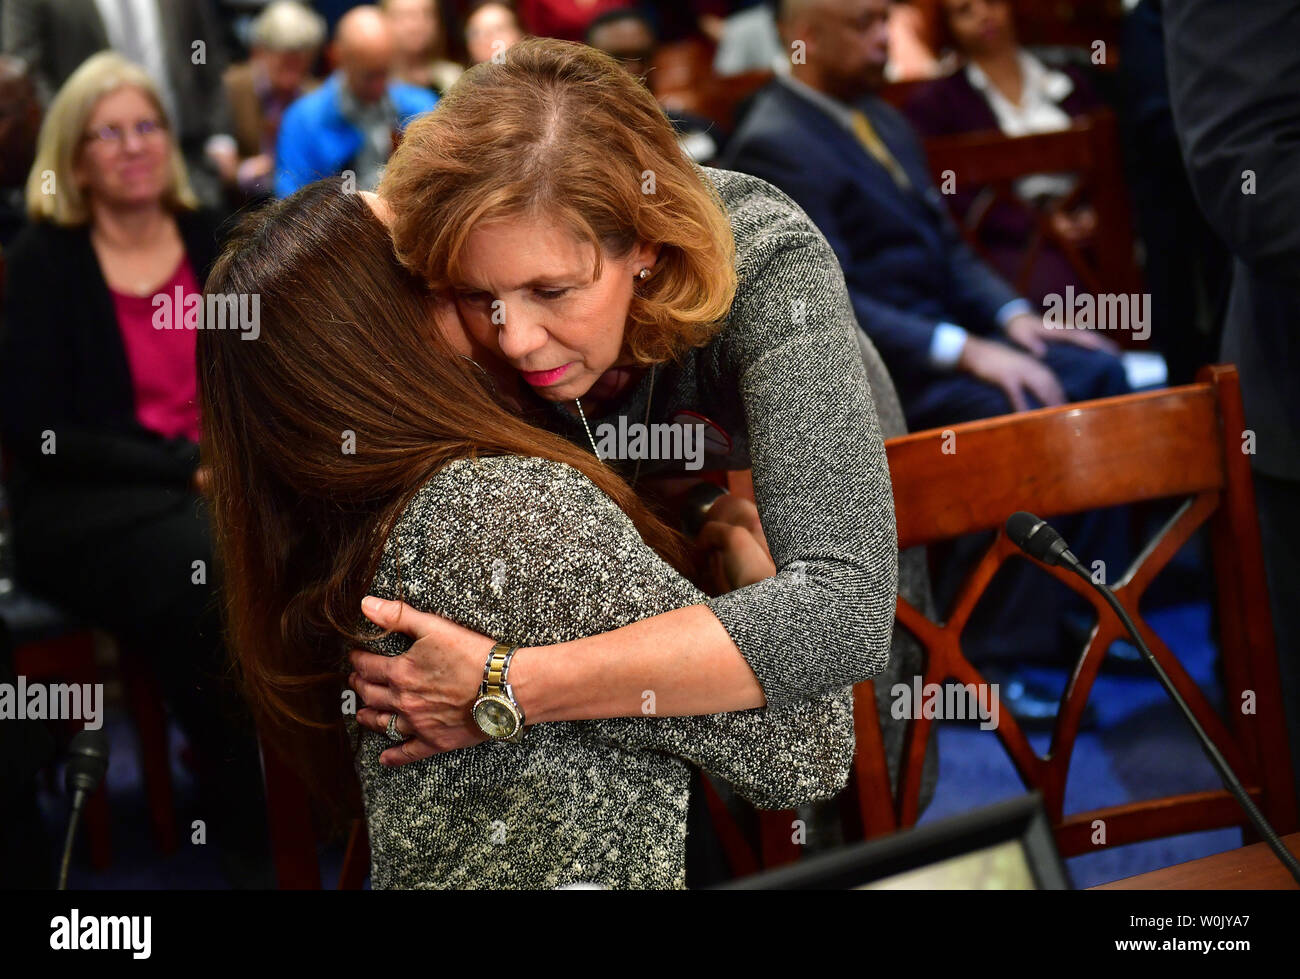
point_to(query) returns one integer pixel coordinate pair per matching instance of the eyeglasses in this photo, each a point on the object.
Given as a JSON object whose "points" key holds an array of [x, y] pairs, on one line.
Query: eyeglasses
{"points": [[116, 135]]}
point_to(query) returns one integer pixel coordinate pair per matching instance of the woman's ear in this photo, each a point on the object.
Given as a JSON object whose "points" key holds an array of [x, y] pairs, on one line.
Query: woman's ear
{"points": [[645, 255]]}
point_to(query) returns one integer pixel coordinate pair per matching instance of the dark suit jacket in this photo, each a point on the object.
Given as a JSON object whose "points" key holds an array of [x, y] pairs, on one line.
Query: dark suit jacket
{"points": [[1234, 77], [55, 36], [63, 368], [904, 261]]}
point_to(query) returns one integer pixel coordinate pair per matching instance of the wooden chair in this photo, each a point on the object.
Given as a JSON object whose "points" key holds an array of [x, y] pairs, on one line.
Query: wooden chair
{"points": [[898, 94], [721, 98], [1180, 443], [64, 651], [293, 836], [680, 69], [1076, 24], [1090, 149], [52, 646]]}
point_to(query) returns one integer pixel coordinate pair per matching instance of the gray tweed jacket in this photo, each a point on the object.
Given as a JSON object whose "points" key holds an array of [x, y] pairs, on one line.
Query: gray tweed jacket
{"points": [[531, 550]]}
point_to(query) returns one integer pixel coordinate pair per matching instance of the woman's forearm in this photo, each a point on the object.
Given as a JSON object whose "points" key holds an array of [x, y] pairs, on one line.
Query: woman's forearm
{"points": [[671, 665]]}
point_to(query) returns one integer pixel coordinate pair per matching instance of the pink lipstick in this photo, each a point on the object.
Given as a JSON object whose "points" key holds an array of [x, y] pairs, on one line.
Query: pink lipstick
{"points": [[542, 379]]}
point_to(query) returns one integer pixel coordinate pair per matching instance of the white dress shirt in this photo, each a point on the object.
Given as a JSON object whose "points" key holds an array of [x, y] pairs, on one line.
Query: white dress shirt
{"points": [[1041, 94]]}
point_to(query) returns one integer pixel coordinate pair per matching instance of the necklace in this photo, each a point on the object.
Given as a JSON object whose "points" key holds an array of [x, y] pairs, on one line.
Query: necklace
{"points": [[648, 401]]}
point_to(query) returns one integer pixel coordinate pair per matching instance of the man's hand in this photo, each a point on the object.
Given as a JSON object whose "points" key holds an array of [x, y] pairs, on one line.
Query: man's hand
{"points": [[1034, 335], [253, 169], [1012, 371]]}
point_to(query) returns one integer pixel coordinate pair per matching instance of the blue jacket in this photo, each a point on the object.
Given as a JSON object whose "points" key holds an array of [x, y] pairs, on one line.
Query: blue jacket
{"points": [[316, 141], [905, 263]]}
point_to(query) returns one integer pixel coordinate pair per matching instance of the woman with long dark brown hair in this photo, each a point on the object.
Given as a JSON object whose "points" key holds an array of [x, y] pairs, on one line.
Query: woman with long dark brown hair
{"points": [[355, 449]]}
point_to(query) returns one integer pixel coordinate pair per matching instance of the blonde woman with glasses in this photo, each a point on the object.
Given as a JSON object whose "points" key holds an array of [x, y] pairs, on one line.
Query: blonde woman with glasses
{"points": [[98, 391]]}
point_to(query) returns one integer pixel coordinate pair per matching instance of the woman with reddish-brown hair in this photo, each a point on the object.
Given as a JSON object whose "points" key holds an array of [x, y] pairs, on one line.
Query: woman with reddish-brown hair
{"points": [[355, 449], [611, 286]]}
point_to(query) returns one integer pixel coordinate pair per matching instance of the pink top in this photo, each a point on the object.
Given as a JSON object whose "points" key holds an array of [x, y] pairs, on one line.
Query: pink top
{"points": [[160, 352]]}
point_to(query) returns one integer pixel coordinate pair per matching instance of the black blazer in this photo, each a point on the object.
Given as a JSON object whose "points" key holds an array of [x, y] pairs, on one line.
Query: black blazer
{"points": [[63, 368], [1233, 73]]}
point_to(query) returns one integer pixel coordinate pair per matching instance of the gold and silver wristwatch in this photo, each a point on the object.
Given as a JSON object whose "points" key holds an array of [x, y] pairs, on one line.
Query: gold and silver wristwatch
{"points": [[496, 712]]}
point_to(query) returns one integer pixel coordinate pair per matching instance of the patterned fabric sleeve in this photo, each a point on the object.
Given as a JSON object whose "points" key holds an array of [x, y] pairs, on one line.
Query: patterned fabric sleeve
{"points": [[530, 551], [821, 479]]}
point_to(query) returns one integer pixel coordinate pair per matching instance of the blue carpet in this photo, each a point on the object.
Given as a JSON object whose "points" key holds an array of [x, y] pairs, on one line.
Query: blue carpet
{"points": [[1140, 748]]}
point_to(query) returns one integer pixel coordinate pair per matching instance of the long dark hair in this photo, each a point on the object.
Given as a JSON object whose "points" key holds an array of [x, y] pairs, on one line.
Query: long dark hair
{"points": [[318, 432]]}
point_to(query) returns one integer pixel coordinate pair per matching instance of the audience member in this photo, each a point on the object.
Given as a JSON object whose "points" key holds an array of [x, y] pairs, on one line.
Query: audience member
{"points": [[179, 42], [1232, 82], [286, 39], [20, 117], [98, 395], [1001, 86], [628, 35], [750, 41], [911, 48], [958, 341], [1186, 267], [491, 27], [352, 121], [566, 20], [421, 45]]}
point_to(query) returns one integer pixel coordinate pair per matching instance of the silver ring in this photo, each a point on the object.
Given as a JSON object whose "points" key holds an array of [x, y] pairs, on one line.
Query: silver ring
{"points": [[391, 730]]}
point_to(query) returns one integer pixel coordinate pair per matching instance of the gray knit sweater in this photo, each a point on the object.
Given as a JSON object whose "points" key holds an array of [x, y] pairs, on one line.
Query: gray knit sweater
{"points": [[785, 379], [531, 550]]}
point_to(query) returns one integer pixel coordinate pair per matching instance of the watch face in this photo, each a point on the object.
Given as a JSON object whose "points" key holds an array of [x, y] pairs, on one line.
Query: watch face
{"points": [[495, 717]]}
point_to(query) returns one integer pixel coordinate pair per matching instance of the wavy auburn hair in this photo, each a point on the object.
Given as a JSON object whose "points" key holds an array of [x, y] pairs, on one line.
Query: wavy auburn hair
{"points": [[317, 433], [560, 130]]}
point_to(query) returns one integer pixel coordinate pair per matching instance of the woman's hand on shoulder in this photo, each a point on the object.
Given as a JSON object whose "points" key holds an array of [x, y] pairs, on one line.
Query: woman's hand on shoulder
{"points": [[430, 687]]}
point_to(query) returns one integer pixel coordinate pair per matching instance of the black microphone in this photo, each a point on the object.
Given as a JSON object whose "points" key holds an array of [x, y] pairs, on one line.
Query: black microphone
{"points": [[87, 765], [1037, 539]]}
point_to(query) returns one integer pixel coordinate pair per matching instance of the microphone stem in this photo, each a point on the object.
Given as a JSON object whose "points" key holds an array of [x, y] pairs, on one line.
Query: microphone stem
{"points": [[1226, 774], [77, 802]]}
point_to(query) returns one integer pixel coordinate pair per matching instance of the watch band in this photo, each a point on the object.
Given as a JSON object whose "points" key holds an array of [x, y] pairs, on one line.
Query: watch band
{"points": [[497, 668], [496, 687]]}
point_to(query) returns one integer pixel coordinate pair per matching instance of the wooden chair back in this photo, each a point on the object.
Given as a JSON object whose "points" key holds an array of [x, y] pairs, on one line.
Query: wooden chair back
{"points": [[1077, 24], [293, 835], [1090, 149], [1181, 443]]}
